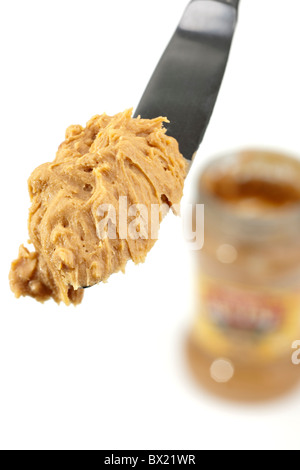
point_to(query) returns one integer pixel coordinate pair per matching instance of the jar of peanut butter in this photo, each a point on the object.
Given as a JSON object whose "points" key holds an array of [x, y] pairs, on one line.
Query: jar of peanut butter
{"points": [[248, 277]]}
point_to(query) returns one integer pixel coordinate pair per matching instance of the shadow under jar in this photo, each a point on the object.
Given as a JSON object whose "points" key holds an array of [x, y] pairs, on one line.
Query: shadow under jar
{"points": [[248, 277]]}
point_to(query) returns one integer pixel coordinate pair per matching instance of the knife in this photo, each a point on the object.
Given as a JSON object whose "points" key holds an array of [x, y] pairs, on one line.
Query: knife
{"points": [[186, 83]]}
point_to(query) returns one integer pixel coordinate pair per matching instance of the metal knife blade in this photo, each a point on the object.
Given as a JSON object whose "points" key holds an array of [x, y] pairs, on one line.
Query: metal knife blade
{"points": [[186, 82]]}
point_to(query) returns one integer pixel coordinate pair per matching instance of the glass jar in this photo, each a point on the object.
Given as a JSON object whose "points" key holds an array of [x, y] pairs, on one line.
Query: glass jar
{"points": [[248, 276]]}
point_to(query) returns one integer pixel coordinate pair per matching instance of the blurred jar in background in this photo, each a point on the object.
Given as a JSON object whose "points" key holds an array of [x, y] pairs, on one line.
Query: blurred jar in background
{"points": [[248, 277]]}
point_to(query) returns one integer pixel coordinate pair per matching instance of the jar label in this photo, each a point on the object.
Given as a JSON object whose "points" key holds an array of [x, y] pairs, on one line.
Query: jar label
{"points": [[240, 321]]}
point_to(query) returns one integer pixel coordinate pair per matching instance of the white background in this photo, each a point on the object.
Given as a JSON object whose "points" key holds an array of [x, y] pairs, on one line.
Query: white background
{"points": [[111, 373]]}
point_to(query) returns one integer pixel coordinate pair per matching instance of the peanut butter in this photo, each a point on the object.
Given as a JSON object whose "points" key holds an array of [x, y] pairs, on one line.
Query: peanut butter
{"points": [[111, 158], [248, 276]]}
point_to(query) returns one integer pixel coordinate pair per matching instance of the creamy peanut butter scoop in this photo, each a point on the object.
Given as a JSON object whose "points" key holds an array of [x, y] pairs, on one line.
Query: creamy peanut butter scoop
{"points": [[121, 157], [112, 159]]}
